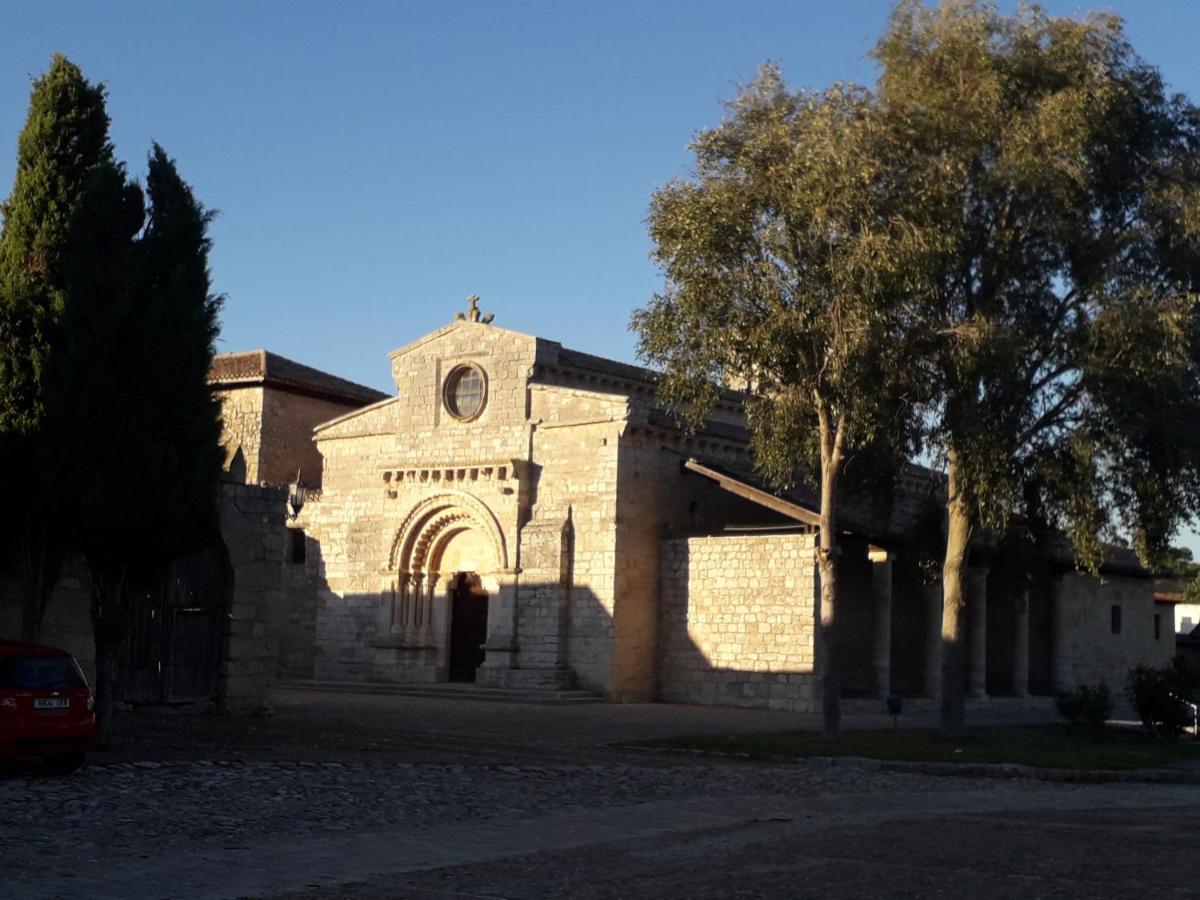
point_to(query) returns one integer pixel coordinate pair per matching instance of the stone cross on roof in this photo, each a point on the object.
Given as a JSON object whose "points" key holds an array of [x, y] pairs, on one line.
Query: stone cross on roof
{"points": [[473, 314]]}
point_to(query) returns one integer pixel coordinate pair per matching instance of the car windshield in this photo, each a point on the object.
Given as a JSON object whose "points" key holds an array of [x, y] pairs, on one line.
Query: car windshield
{"points": [[40, 673]]}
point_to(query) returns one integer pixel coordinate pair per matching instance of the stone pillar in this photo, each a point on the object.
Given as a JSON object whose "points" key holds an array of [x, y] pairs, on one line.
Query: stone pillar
{"points": [[416, 586], [424, 600], [1021, 645], [881, 630], [1062, 674], [977, 637], [400, 613], [933, 640], [500, 651]]}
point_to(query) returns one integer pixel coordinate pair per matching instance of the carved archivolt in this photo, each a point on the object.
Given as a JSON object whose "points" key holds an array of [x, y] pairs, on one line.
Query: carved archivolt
{"points": [[431, 518]]}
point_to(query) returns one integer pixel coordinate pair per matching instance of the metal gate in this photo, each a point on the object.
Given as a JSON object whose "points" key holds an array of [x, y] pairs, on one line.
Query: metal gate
{"points": [[177, 631]]}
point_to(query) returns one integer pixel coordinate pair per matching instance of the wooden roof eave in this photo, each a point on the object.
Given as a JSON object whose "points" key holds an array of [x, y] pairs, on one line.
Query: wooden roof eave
{"points": [[754, 494]]}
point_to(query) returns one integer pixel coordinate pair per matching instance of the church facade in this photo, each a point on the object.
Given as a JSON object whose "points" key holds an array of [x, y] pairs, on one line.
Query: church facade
{"points": [[522, 515]]}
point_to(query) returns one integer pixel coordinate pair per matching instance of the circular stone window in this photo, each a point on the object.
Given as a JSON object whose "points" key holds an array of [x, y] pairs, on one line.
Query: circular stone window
{"points": [[465, 392]]}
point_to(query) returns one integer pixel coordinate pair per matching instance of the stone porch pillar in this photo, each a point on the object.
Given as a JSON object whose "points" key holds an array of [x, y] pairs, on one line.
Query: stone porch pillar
{"points": [[881, 631], [1062, 674], [500, 651], [977, 637], [933, 640], [1021, 646]]}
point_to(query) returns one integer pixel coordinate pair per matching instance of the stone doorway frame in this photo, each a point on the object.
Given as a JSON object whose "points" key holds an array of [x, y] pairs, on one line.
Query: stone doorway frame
{"points": [[413, 581]]}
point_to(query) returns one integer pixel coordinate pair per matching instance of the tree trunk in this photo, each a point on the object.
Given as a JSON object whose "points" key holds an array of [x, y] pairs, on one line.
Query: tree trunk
{"points": [[110, 628], [827, 565], [41, 562], [958, 546]]}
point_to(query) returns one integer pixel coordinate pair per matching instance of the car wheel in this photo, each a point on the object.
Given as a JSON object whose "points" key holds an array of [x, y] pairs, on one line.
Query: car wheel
{"points": [[63, 763]]}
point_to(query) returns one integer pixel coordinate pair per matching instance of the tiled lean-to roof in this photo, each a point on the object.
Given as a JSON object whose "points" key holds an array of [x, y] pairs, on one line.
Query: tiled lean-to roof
{"points": [[270, 369]]}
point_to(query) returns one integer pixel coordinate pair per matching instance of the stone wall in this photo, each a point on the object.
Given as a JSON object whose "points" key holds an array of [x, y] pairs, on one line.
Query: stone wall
{"points": [[737, 621], [68, 622], [252, 525], [273, 427], [1086, 650], [241, 428], [288, 420], [575, 446]]}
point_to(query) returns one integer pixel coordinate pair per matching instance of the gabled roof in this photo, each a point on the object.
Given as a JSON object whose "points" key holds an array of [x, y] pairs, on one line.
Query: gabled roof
{"points": [[261, 367]]}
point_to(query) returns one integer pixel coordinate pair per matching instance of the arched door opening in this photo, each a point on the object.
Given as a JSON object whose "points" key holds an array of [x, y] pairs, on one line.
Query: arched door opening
{"points": [[468, 626]]}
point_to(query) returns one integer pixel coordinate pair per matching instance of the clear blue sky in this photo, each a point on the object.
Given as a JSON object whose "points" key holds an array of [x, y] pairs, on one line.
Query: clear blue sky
{"points": [[374, 163]]}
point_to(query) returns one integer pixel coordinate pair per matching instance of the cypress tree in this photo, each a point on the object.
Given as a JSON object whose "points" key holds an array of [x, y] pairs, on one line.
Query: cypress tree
{"points": [[153, 425], [63, 155]]}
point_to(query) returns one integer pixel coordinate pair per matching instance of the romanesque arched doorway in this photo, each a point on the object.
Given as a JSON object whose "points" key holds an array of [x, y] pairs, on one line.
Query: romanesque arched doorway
{"points": [[444, 573]]}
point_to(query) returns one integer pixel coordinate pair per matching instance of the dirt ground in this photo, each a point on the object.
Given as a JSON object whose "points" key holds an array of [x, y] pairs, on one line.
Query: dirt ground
{"points": [[373, 796], [1134, 853]]}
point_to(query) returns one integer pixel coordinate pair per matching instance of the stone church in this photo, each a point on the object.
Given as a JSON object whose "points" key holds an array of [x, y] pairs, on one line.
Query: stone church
{"points": [[518, 515], [522, 515]]}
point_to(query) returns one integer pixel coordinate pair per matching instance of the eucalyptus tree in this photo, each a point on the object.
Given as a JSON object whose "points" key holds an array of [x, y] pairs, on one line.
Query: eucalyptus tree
{"points": [[781, 278], [63, 152], [1059, 186]]}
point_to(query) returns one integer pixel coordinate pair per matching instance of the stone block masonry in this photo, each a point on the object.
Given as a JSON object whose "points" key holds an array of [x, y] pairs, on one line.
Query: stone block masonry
{"points": [[737, 618]]}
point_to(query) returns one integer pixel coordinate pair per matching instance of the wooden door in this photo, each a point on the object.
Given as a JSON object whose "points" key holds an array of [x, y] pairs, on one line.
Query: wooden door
{"points": [[468, 626]]}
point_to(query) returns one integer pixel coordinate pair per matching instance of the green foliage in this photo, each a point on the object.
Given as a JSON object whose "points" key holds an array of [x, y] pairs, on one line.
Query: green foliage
{"points": [[107, 332], [781, 279], [1059, 188], [49, 248], [150, 351], [62, 150], [1157, 695], [1092, 704]]}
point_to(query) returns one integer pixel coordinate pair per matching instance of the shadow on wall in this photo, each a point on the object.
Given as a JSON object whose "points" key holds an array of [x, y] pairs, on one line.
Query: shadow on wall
{"points": [[208, 632], [745, 644]]}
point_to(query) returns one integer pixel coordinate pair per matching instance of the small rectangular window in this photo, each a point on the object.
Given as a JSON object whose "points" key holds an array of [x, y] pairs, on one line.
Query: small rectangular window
{"points": [[1116, 620], [1157, 627], [298, 551]]}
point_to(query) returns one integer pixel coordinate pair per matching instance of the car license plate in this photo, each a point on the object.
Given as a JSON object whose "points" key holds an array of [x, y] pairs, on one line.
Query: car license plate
{"points": [[52, 703]]}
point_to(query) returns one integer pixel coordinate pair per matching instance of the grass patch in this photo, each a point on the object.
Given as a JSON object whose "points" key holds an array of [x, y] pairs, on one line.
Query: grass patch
{"points": [[1051, 746]]}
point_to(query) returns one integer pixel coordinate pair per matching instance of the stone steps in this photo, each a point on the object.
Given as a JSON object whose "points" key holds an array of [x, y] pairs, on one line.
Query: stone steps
{"points": [[446, 691]]}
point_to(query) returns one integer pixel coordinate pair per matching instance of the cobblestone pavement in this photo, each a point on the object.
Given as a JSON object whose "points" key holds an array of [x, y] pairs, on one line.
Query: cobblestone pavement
{"points": [[290, 807]]}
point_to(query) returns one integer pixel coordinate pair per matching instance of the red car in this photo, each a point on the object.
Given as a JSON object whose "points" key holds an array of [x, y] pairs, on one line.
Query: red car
{"points": [[45, 706]]}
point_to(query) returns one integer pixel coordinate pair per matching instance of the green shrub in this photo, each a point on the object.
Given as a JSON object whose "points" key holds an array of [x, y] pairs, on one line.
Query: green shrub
{"points": [[1097, 705], [1069, 705], [1091, 703], [1157, 697]]}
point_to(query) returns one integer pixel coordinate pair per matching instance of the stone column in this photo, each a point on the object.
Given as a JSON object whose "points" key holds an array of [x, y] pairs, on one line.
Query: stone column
{"points": [[977, 638], [416, 587], [1021, 646], [1062, 674], [933, 640], [425, 604], [881, 631], [400, 616], [500, 651]]}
